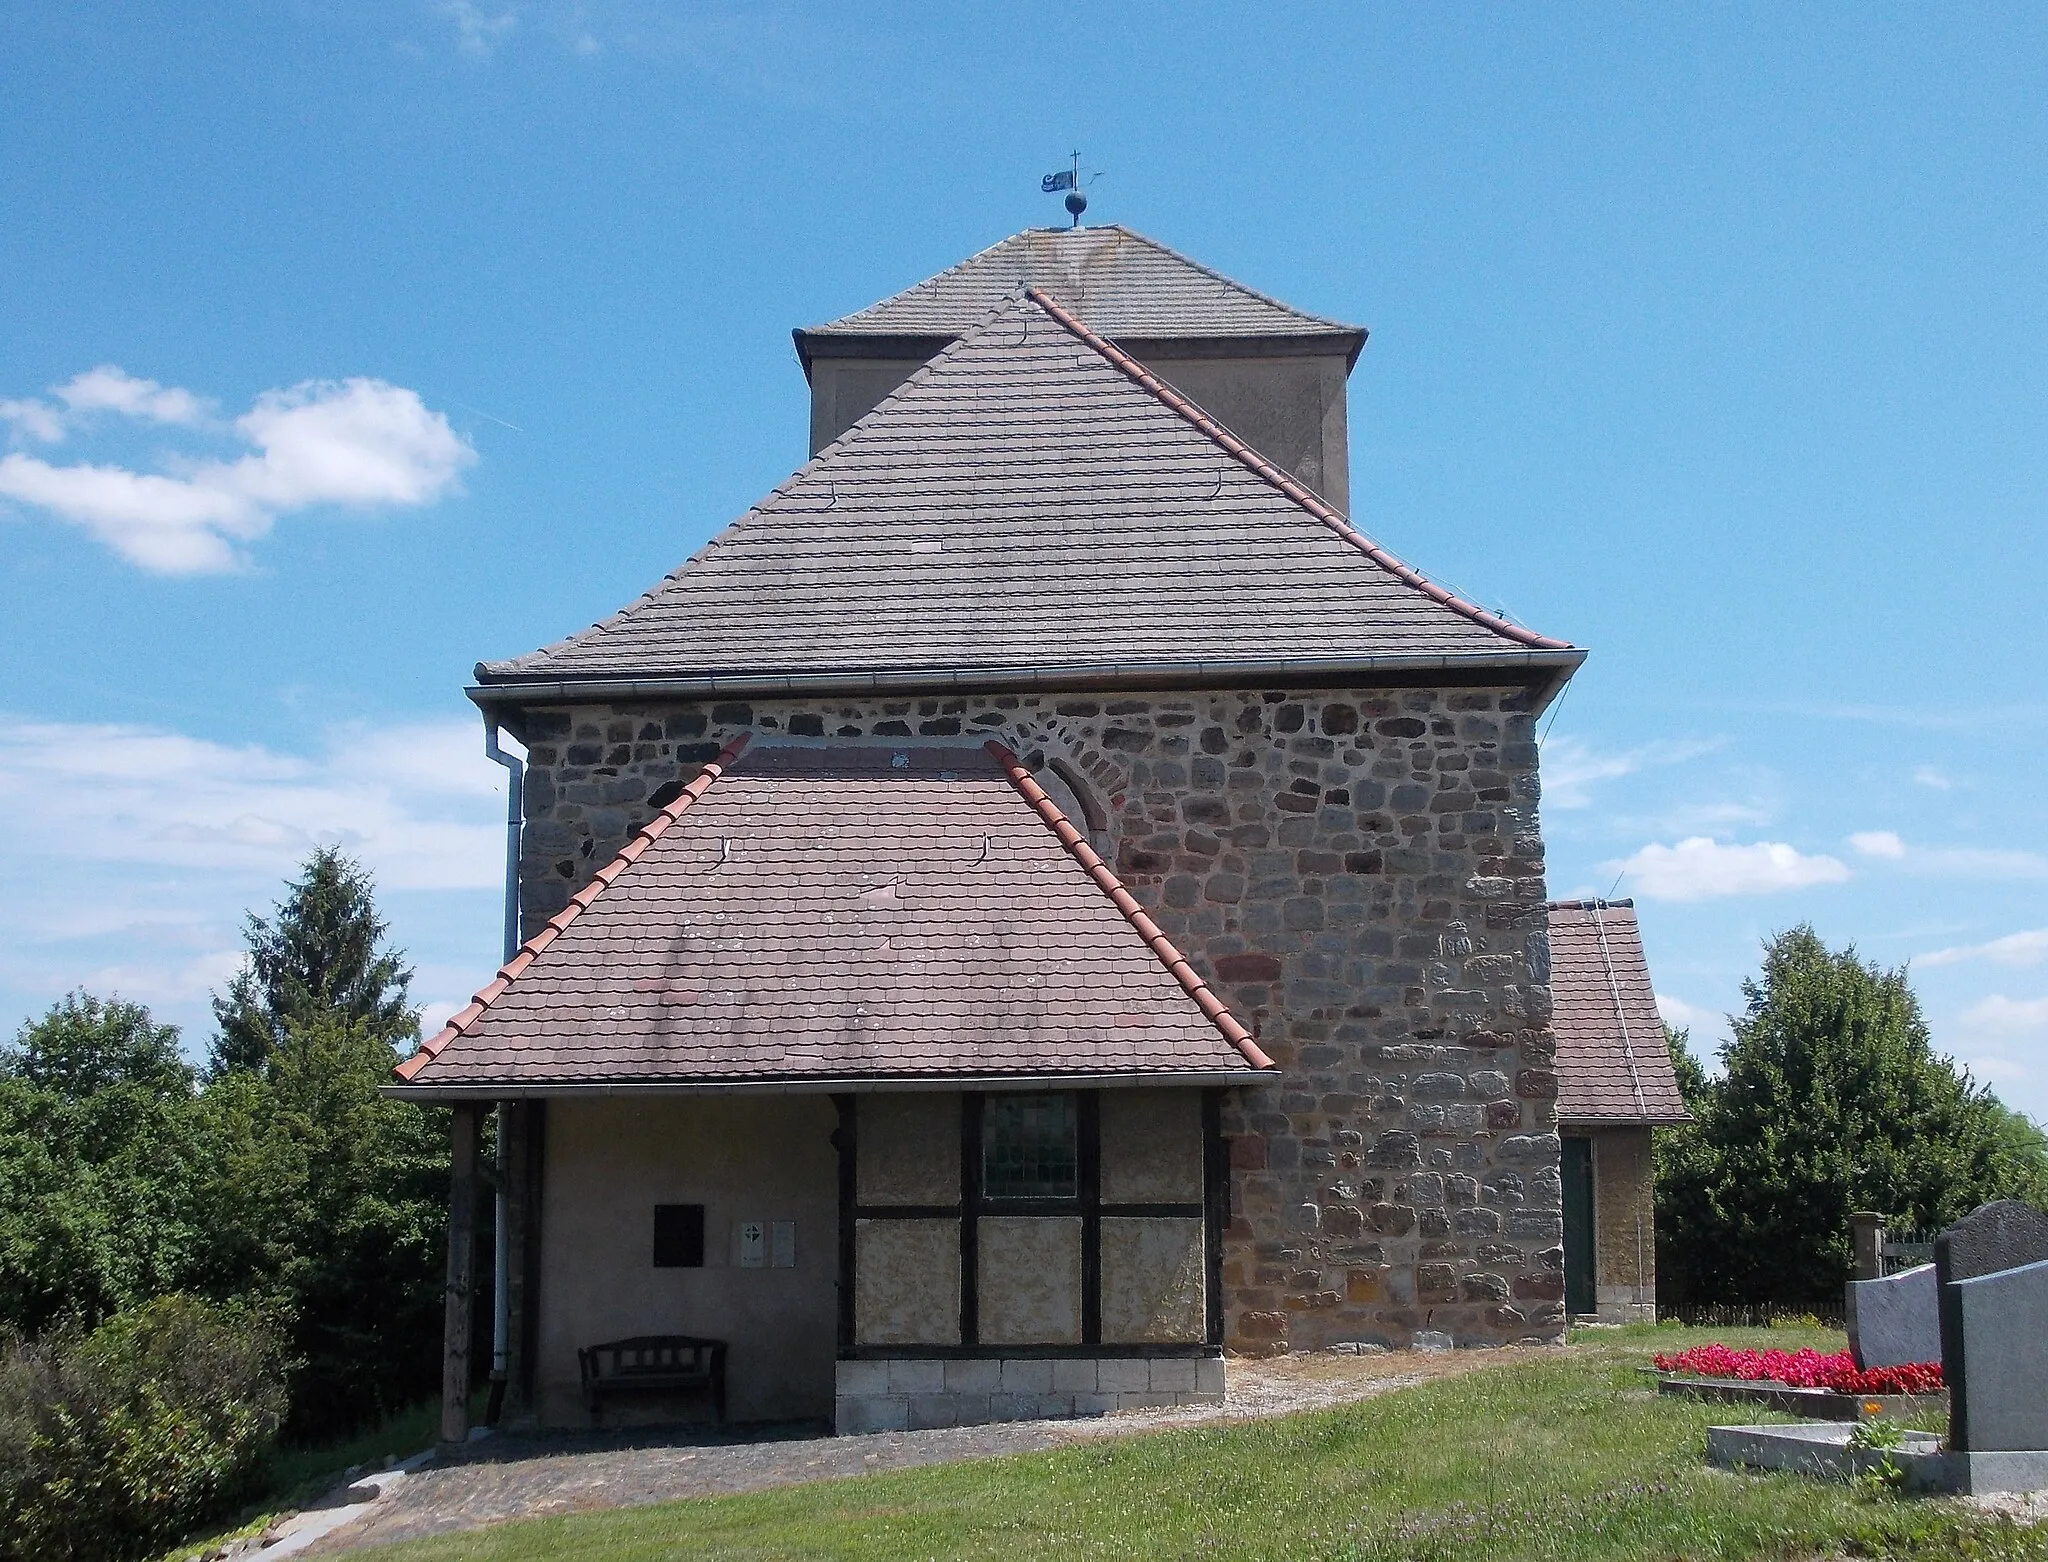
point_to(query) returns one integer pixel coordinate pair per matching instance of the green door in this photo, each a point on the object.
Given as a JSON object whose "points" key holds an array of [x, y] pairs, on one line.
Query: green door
{"points": [[1579, 1297]]}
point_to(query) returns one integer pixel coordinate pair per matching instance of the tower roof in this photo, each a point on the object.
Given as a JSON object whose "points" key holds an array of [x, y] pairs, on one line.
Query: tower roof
{"points": [[1124, 285], [1032, 505]]}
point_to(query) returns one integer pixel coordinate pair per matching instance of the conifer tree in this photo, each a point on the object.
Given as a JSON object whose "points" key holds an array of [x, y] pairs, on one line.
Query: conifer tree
{"points": [[322, 956], [1833, 1100]]}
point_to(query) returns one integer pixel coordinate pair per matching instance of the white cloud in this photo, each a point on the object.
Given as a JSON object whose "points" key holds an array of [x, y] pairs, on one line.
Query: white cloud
{"points": [[357, 442], [168, 840], [477, 31], [34, 419], [1571, 767], [1928, 776], [1955, 862], [107, 388], [1680, 1015], [1699, 868], [112, 389], [2005, 1016], [410, 801], [2028, 948]]}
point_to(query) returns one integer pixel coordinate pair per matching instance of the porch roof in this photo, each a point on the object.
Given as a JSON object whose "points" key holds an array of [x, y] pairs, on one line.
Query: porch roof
{"points": [[835, 916], [1613, 1066]]}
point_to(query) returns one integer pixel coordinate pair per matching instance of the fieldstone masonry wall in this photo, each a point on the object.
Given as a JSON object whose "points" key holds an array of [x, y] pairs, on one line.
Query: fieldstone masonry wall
{"points": [[1360, 873]]}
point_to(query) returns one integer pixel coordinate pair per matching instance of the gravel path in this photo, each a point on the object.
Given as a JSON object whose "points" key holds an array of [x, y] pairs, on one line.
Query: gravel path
{"points": [[534, 1476]]}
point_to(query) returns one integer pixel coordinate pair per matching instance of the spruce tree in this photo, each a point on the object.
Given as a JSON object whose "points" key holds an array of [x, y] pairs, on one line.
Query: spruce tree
{"points": [[321, 957], [1833, 1100]]}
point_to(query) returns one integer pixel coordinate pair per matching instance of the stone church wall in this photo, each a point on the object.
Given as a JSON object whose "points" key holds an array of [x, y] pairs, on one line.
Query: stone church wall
{"points": [[1359, 872]]}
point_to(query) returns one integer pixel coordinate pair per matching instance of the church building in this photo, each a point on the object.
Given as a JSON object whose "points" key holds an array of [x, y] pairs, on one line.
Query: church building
{"points": [[1039, 904]]}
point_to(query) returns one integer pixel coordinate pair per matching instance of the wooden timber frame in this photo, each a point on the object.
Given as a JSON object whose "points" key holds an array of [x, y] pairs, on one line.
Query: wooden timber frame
{"points": [[1213, 1211], [461, 1291], [525, 1128]]}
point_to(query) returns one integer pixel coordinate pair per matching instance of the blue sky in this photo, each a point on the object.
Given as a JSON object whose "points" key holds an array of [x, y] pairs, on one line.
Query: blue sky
{"points": [[348, 343]]}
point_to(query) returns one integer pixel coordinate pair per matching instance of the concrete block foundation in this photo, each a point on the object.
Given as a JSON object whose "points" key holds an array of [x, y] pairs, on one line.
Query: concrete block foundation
{"points": [[917, 1394]]}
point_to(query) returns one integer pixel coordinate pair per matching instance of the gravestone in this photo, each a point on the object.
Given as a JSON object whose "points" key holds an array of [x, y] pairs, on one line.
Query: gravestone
{"points": [[1895, 1320], [2003, 1319], [1990, 1240]]}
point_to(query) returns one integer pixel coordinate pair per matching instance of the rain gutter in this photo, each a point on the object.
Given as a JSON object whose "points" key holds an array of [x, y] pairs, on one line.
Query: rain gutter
{"points": [[507, 1090], [1553, 667], [501, 1213]]}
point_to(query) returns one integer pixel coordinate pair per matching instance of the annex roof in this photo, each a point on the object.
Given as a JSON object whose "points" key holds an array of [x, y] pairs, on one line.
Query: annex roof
{"points": [[1125, 285], [838, 917], [1613, 1066], [1033, 505]]}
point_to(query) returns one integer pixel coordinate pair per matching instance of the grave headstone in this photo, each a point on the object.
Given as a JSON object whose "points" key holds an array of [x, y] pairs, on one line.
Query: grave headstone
{"points": [[1895, 1320], [1989, 1240], [2003, 1386]]}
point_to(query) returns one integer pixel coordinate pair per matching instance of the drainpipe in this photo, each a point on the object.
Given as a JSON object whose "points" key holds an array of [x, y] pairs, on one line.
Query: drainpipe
{"points": [[501, 1233]]}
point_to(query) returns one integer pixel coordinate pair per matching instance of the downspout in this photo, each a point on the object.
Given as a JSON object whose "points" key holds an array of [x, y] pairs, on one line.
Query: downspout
{"points": [[501, 1230]]}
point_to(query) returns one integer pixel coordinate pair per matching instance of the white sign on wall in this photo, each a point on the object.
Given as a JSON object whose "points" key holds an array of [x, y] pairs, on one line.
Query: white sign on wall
{"points": [[752, 1239], [764, 1244]]}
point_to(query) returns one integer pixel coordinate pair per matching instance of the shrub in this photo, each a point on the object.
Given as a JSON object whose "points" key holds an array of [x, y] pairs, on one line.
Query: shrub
{"points": [[116, 1443]]}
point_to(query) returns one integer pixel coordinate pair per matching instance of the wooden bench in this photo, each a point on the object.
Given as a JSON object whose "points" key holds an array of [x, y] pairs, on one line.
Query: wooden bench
{"points": [[653, 1364]]}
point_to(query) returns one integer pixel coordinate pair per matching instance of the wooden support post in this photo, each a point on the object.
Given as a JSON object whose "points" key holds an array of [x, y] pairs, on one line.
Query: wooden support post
{"points": [[1866, 1240], [516, 1125], [461, 1275]]}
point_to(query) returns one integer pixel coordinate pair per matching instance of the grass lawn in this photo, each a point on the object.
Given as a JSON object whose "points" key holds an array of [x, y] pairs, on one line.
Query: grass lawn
{"points": [[1549, 1455]]}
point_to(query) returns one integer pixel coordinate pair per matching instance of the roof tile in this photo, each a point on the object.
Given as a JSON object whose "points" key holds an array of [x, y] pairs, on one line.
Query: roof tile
{"points": [[1122, 283], [1612, 1063], [1030, 498], [752, 941]]}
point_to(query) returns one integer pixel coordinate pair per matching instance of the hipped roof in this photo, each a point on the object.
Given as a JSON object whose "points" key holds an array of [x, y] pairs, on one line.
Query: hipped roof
{"points": [[1613, 1065], [1126, 286], [838, 918], [1031, 505]]}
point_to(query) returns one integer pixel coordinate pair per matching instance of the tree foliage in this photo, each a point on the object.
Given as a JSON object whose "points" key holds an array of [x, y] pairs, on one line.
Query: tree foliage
{"points": [[98, 1166], [285, 1182], [329, 1202], [1833, 1100], [116, 1442], [84, 1045], [322, 955]]}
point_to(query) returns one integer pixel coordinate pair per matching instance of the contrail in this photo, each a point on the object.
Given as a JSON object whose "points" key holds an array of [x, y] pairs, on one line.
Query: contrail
{"points": [[466, 407]]}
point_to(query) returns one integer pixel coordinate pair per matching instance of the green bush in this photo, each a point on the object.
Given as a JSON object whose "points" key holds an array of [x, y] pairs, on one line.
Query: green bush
{"points": [[117, 1443]]}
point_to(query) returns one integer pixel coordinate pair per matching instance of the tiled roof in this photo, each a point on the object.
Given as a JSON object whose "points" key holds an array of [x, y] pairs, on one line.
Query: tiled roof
{"points": [[847, 914], [1612, 1062], [1126, 286], [1032, 500]]}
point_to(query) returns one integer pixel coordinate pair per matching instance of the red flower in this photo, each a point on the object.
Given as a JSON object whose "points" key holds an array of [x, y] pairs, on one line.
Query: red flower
{"points": [[1802, 1369]]}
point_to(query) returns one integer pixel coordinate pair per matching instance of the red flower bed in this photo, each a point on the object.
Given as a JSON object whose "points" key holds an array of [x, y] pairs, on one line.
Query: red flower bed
{"points": [[1803, 1369]]}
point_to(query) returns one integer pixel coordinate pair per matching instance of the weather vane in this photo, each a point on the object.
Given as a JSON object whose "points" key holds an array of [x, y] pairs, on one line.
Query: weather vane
{"points": [[1069, 179]]}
